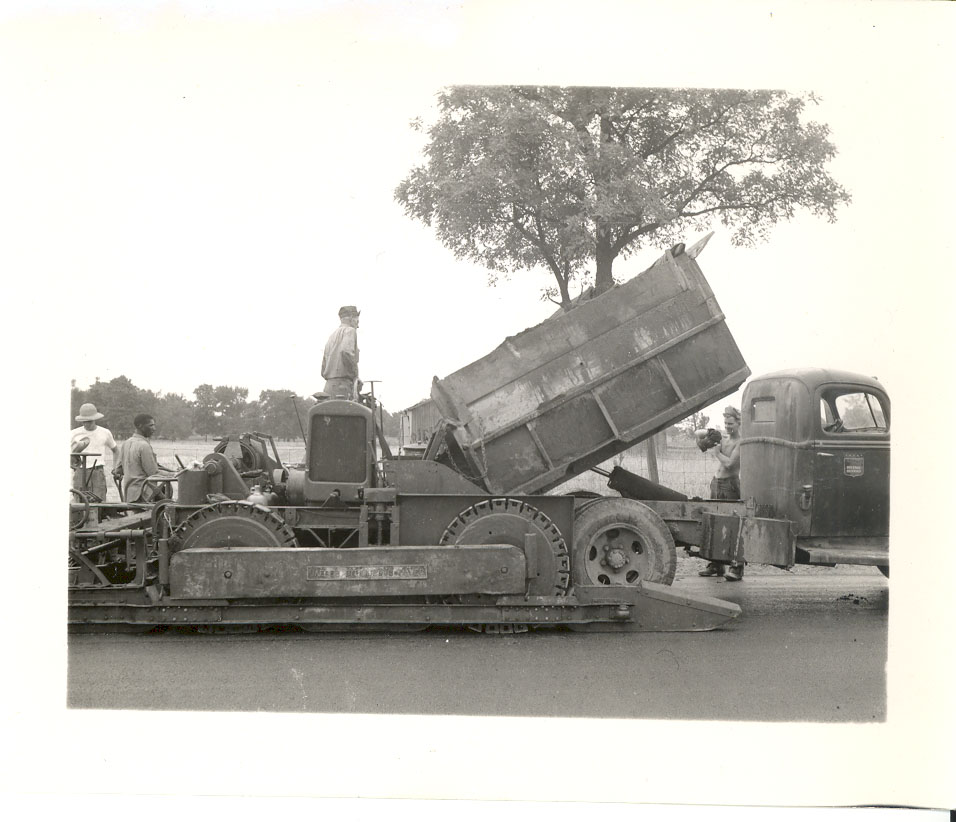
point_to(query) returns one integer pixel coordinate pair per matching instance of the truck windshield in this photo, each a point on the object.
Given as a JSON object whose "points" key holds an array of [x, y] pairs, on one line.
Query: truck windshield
{"points": [[843, 411]]}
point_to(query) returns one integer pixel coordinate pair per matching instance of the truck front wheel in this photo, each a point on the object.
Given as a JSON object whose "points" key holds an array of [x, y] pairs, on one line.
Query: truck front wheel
{"points": [[621, 542]]}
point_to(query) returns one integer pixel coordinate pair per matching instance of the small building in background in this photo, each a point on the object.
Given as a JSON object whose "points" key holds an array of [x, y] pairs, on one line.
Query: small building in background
{"points": [[416, 426]]}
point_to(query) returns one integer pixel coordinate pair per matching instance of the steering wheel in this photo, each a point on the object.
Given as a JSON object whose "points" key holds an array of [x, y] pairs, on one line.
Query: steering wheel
{"points": [[834, 427], [79, 509]]}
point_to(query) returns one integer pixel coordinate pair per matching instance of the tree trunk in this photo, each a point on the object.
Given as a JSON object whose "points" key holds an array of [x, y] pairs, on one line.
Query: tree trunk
{"points": [[603, 253], [603, 259], [564, 292]]}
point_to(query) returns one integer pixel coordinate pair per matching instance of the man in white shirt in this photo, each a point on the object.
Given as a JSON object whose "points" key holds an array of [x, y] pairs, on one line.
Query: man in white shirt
{"points": [[97, 441]]}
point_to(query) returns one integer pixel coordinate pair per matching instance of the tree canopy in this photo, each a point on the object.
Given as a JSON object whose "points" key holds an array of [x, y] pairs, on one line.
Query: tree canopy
{"points": [[569, 179], [118, 399], [217, 410]]}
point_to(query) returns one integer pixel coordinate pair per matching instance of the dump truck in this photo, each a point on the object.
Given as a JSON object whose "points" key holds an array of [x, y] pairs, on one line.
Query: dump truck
{"points": [[565, 396]]}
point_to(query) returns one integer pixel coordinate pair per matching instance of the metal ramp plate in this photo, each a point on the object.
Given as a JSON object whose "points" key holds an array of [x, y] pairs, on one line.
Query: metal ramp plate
{"points": [[662, 608]]}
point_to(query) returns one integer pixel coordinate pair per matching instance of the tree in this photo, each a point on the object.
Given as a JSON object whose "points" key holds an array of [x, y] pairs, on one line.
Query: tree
{"points": [[391, 424], [220, 410], [77, 398], [695, 422], [204, 411], [174, 417], [231, 408], [563, 178], [120, 401], [279, 416]]}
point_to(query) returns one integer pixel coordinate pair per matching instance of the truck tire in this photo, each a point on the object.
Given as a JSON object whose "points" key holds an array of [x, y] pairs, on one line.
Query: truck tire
{"points": [[621, 542]]}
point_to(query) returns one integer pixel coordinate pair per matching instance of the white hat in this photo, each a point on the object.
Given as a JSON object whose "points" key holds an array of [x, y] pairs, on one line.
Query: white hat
{"points": [[88, 412]]}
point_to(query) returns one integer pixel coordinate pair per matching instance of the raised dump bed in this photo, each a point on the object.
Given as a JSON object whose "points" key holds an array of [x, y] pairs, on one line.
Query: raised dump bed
{"points": [[584, 385]]}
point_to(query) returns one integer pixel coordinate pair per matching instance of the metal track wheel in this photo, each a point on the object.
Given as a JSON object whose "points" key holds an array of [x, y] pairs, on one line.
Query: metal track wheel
{"points": [[507, 522], [622, 542], [234, 525]]}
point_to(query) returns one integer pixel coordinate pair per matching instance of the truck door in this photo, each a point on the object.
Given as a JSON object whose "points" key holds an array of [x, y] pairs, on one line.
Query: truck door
{"points": [[851, 464]]}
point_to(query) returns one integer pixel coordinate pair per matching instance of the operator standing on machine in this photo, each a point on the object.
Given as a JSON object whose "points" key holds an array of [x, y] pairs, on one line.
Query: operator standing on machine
{"points": [[341, 356]]}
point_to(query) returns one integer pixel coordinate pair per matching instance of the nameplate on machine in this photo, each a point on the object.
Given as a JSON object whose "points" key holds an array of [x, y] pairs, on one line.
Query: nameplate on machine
{"points": [[322, 572]]}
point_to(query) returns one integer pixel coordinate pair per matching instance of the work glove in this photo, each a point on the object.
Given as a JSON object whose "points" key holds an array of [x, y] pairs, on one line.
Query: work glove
{"points": [[707, 439]]}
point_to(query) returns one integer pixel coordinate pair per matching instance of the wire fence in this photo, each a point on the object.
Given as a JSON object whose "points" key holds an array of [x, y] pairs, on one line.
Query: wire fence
{"points": [[682, 468]]}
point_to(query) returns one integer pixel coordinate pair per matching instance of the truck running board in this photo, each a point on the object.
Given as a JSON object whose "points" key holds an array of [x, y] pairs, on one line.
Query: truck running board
{"points": [[825, 555]]}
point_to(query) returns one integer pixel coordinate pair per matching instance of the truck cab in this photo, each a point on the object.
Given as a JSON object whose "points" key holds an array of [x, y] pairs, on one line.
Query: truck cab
{"points": [[815, 450]]}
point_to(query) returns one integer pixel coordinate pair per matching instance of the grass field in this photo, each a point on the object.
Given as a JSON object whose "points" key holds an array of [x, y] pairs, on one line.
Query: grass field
{"points": [[290, 451], [683, 468]]}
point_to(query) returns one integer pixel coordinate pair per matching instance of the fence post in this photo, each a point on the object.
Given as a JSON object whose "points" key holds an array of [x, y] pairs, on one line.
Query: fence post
{"points": [[652, 460]]}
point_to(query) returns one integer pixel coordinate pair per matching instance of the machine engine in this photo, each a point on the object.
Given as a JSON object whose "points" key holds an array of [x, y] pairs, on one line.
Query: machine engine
{"points": [[340, 458]]}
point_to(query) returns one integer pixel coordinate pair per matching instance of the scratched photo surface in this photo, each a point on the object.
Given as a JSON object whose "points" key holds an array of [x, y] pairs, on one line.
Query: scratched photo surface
{"points": [[621, 321]]}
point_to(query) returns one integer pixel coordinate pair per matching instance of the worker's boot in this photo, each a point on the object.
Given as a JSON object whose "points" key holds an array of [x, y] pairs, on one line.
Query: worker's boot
{"points": [[712, 569], [734, 573]]}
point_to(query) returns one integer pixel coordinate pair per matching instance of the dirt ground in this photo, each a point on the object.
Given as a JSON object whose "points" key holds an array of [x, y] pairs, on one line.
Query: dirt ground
{"points": [[688, 567]]}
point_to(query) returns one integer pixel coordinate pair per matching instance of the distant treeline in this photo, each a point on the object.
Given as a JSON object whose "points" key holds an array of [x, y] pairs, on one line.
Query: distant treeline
{"points": [[214, 411]]}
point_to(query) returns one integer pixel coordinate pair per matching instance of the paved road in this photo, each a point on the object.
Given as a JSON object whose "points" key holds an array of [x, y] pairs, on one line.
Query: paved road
{"points": [[809, 647]]}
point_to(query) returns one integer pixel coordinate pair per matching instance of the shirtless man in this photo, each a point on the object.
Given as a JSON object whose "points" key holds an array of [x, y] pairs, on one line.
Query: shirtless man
{"points": [[726, 485]]}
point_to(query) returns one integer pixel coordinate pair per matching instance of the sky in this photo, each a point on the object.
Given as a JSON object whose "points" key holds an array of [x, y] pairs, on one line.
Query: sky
{"points": [[190, 190]]}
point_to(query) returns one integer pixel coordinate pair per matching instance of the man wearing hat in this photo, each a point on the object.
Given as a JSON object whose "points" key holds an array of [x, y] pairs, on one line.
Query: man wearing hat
{"points": [[341, 356], [93, 440], [726, 485]]}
